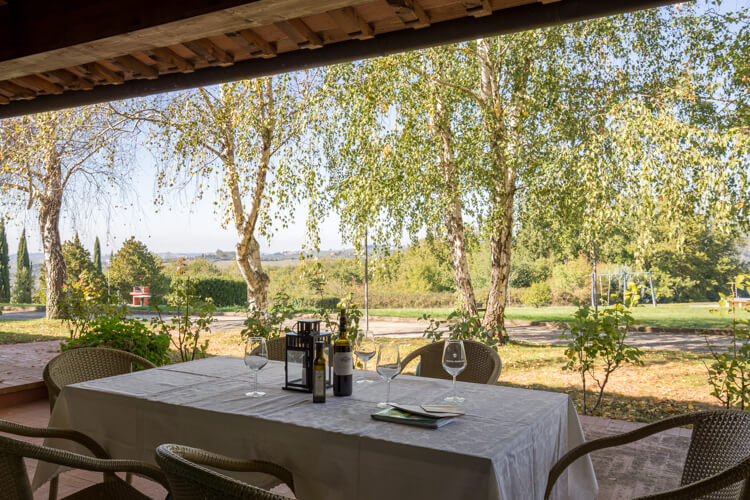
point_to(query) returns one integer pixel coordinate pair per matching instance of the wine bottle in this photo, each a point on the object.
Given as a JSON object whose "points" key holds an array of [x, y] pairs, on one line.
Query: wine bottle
{"points": [[319, 375], [342, 361]]}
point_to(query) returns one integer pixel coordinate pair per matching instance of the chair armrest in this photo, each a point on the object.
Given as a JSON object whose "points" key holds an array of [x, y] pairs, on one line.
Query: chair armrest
{"points": [[138, 360], [76, 461], [610, 441], [706, 486], [410, 357], [210, 459], [52, 432]]}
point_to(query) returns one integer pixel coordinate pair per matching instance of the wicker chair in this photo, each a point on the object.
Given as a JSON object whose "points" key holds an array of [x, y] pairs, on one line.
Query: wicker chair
{"points": [[14, 480], [87, 363], [276, 349], [717, 466], [189, 480], [483, 365]]}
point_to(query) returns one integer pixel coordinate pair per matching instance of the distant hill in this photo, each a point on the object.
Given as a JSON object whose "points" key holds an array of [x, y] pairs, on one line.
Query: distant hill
{"points": [[276, 257]]}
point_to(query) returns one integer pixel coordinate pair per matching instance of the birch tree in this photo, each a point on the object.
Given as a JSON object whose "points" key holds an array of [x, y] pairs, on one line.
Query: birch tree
{"points": [[245, 139], [72, 158]]}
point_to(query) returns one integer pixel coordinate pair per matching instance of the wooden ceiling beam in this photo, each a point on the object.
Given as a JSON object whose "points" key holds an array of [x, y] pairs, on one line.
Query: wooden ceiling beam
{"points": [[41, 84], [3, 99], [267, 48], [70, 79], [300, 33], [406, 9], [481, 8], [209, 50], [17, 90], [137, 66], [169, 56], [347, 18], [105, 73]]}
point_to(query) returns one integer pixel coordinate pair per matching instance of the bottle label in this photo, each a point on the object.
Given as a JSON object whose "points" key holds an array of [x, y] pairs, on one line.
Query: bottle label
{"points": [[342, 363], [319, 382]]}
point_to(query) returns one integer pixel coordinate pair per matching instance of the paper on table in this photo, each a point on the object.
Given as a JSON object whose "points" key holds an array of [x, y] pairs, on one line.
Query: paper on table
{"points": [[443, 409]]}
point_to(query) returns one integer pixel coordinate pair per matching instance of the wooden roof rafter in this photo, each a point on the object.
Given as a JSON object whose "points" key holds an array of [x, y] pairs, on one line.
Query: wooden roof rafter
{"points": [[187, 43]]}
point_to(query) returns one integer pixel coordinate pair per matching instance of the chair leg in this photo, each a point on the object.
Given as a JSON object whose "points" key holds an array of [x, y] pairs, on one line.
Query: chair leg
{"points": [[53, 487]]}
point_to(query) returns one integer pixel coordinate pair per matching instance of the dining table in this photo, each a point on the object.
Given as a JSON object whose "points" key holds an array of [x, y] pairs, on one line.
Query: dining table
{"points": [[503, 447]]}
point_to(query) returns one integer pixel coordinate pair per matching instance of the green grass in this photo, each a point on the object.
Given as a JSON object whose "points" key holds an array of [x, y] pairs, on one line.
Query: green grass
{"points": [[668, 315], [7, 304], [30, 330]]}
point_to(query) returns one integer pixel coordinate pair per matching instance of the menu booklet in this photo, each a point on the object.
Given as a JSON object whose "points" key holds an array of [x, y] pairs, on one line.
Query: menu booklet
{"points": [[414, 416]]}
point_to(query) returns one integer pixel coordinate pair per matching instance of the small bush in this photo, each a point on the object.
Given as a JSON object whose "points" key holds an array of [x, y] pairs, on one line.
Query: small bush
{"points": [[126, 334], [537, 295], [316, 302]]}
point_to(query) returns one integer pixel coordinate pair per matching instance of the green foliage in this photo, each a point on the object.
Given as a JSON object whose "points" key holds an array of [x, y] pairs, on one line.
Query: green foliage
{"points": [[269, 324], [133, 265], [4, 264], [537, 295], [23, 285], [462, 326], [127, 334], [316, 302], [82, 302], [729, 374], [78, 263], [192, 317], [221, 291], [97, 255], [24, 278], [597, 344]]}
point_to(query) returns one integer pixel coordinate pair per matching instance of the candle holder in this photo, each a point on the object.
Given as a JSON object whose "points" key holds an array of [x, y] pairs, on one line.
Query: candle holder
{"points": [[300, 354]]}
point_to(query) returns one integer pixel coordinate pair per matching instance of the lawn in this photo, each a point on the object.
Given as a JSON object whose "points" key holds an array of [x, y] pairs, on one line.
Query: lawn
{"points": [[669, 315], [670, 382], [641, 394], [31, 330]]}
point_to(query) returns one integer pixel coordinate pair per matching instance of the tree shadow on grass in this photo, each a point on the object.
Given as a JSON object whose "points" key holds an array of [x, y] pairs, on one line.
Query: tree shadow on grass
{"points": [[22, 338], [623, 407]]}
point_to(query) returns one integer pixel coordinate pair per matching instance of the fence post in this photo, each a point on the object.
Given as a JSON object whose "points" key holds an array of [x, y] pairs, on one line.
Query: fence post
{"points": [[651, 282]]}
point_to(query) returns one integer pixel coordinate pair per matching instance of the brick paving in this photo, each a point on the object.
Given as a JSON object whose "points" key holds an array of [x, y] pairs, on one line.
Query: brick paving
{"points": [[22, 364], [648, 466]]}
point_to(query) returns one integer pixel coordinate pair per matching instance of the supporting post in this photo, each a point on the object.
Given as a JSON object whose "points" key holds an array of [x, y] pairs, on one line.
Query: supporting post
{"points": [[367, 282], [651, 282], [609, 286]]}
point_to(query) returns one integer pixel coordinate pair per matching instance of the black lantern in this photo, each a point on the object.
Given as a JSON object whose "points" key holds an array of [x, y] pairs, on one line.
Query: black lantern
{"points": [[300, 354]]}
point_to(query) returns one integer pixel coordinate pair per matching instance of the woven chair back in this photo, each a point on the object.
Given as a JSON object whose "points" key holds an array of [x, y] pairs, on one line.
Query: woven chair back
{"points": [[87, 363], [276, 348], [719, 441], [14, 480], [483, 364], [190, 481]]}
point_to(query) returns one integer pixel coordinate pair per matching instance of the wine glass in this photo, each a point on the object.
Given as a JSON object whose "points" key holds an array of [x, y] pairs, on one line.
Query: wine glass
{"points": [[364, 349], [388, 366], [256, 357], [454, 362]]}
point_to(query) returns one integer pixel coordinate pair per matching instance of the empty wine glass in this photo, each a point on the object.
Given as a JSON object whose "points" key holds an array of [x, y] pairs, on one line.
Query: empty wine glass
{"points": [[388, 366], [364, 349], [454, 362], [256, 357]]}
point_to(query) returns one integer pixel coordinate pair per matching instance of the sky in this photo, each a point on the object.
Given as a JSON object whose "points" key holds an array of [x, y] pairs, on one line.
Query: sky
{"points": [[181, 225]]}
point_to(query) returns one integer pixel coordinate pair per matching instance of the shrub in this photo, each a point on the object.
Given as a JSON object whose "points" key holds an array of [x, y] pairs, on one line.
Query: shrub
{"points": [[597, 344], [316, 302], [222, 291], [522, 275], [269, 324], [462, 326], [126, 334], [570, 282], [537, 295]]}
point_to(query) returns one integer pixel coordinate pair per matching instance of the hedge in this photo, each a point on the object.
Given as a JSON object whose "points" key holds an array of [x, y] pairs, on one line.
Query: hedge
{"points": [[224, 292]]}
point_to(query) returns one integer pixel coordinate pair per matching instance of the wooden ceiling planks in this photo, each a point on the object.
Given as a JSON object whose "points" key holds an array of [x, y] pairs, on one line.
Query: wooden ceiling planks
{"points": [[260, 30]]}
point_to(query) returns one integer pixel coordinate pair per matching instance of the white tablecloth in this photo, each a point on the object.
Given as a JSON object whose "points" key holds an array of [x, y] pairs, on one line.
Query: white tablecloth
{"points": [[503, 448]]}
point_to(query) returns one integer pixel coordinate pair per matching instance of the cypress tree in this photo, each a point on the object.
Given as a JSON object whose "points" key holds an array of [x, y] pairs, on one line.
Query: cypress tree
{"points": [[4, 265], [97, 255], [23, 272]]}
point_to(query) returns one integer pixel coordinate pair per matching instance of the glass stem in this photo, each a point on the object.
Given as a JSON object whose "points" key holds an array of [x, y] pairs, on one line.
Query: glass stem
{"points": [[255, 377], [455, 394], [388, 392]]}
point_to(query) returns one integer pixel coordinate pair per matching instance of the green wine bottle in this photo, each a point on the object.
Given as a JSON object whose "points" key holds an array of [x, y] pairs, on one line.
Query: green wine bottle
{"points": [[342, 361], [319, 375]]}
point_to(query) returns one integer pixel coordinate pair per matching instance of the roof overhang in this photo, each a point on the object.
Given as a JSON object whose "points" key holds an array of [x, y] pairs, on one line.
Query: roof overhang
{"points": [[55, 54]]}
